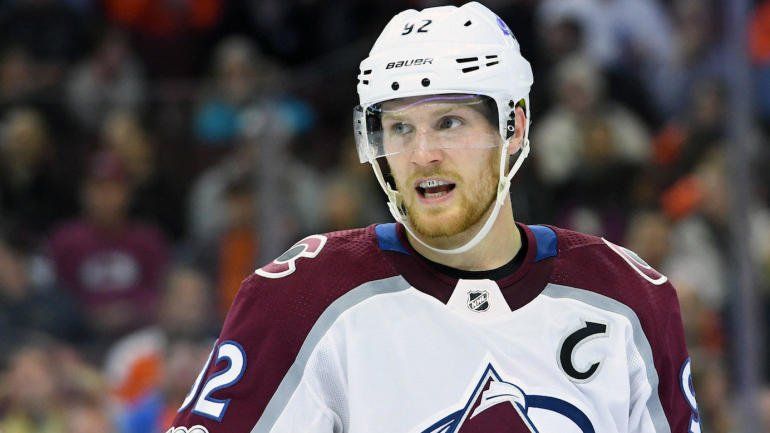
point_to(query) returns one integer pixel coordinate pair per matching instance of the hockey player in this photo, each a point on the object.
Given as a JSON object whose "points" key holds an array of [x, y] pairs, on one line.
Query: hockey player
{"points": [[455, 318]]}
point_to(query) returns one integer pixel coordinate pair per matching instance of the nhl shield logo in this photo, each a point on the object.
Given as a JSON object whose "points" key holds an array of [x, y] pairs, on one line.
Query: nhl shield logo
{"points": [[478, 300]]}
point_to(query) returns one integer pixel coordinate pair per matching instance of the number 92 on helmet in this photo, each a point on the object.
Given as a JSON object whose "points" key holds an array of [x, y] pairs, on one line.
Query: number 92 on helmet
{"points": [[449, 55]]}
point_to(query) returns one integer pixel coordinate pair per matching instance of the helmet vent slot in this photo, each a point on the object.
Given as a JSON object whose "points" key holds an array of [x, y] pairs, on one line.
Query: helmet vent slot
{"points": [[491, 56], [467, 23], [467, 59], [470, 68], [488, 64], [367, 72]]}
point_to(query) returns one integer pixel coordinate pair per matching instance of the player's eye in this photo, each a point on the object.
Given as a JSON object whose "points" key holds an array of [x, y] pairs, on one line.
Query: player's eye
{"points": [[449, 122], [401, 128]]}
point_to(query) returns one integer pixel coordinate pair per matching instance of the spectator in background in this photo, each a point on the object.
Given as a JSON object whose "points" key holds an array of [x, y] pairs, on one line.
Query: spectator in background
{"points": [[700, 252], [238, 246], [51, 32], [228, 219], [29, 395], [691, 134], [293, 186], [629, 40], [237, 72], [244, 80], [42, 387], [580, 97], [17, 83], [206, 211], [589, 145], [85, 414], [145, 369], [24, 88], [156, 198], [687, 141], [25, 308], [559, 37], [111, 78], [32, 195], [110, 263], [699, 239], [699, 53], [243, 117]]}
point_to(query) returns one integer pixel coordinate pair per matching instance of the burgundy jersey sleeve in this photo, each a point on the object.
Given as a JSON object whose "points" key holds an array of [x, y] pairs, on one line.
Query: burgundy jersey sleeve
{"points": [[610, 270], [271, 317]]}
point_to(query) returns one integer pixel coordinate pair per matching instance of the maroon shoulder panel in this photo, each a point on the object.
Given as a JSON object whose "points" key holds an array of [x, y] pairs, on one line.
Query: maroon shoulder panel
{"points": [[591, 263], [272, 314]]}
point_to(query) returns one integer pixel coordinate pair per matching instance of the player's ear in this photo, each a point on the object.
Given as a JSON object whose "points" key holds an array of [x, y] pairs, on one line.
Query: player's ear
{"points": [[518, 132]]}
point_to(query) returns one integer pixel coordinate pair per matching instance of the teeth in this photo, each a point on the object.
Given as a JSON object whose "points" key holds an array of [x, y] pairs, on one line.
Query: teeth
{"points": [[432, 183]]}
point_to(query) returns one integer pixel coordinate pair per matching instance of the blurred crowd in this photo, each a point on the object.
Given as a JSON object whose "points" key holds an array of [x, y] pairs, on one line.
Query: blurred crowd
{"points": [[153, 153]]}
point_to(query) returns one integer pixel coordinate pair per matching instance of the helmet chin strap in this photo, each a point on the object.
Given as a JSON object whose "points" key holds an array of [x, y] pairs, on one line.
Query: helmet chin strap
{"points": [[395, 200]]}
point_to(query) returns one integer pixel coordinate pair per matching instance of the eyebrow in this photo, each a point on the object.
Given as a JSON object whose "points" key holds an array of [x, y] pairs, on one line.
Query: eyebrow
{"points": [[437, 112], [439, 98], [388, 116]]}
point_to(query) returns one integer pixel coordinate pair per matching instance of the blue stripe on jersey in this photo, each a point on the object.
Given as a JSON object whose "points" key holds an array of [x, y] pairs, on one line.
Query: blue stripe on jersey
{"points": [[388, 238], [546, 242]]}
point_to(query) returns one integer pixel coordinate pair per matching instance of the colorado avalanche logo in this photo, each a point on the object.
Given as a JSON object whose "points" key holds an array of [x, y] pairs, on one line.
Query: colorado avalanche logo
{"points": [[499, 406], [286, 263]]}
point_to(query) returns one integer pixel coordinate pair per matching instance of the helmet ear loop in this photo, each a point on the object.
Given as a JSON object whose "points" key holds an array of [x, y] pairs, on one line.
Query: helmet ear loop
{"points": [[510, 164], [387, 174], [504, 182], [383, 174]]}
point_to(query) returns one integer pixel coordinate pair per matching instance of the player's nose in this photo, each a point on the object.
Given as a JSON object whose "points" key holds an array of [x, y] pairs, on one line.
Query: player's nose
{"points": [[425, 151]]}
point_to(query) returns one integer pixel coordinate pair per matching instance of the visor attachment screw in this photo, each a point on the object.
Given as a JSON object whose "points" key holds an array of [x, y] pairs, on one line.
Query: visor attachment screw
{"points": [[394, 86], [425, 82]]}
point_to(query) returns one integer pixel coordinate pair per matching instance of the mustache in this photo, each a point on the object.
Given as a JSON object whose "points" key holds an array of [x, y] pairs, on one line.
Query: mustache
{"points": [[444, 174]]}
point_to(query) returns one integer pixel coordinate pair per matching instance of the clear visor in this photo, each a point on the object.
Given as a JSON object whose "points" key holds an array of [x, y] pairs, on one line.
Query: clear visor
{"points": [[403, 125]]}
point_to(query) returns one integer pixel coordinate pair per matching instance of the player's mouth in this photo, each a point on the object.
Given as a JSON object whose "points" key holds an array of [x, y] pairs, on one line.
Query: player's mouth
{"points": [[434, 190]]}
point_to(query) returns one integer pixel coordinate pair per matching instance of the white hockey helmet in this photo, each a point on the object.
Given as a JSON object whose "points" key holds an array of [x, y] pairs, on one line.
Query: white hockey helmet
{"points": [[438, 51]]}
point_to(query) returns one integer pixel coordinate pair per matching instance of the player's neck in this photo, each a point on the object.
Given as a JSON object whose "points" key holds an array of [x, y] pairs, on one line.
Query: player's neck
{"points": [[497, 248]]}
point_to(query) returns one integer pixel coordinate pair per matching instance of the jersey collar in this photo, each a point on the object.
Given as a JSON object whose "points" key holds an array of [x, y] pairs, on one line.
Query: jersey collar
{"points": [[519, 288]]}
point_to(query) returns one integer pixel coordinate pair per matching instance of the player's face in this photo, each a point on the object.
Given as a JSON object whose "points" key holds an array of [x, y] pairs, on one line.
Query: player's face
{"points": [[446, 166]]}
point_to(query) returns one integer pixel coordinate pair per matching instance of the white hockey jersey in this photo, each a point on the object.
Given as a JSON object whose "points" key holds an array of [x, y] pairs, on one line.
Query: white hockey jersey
{"points": [[353, 332]]}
